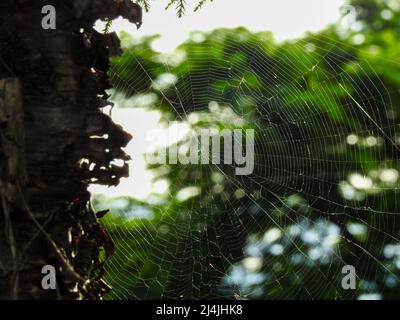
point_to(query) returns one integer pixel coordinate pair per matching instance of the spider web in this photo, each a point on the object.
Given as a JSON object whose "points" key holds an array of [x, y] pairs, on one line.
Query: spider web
{"points": [[322, 194]]}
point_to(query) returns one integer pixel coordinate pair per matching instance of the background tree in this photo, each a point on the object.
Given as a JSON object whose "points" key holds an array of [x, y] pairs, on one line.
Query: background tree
{"points": [[54, 142]]}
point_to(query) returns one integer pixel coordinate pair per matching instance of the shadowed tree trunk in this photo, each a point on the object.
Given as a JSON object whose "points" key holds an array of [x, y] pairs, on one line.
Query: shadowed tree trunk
{"points": [[54, 141]]}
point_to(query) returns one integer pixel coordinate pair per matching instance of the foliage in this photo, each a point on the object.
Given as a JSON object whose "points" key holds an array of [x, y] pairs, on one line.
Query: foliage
{"points": [[180, 5], [107, 26]]}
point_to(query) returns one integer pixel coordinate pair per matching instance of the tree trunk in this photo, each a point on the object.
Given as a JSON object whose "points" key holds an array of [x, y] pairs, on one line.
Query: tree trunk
{"points": [[54, 141]]}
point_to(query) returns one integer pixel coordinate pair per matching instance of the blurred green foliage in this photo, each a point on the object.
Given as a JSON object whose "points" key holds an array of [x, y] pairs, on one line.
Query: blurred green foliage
{"points": [[325, 109]]}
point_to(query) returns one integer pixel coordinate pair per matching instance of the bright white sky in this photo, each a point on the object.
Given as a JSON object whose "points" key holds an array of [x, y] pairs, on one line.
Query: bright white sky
{"points": [[287, 19]]}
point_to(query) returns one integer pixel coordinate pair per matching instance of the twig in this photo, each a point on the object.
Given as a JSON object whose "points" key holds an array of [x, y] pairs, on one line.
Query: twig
{"points": [[7, 67], [57, 250], [11, 240]]}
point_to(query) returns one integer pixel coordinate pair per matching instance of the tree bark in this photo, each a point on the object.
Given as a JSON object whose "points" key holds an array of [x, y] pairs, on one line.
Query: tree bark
{"points": [[54, 142]]}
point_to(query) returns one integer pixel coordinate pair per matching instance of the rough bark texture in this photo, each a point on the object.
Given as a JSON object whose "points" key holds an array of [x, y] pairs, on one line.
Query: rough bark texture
{"points": [[54, 141]]}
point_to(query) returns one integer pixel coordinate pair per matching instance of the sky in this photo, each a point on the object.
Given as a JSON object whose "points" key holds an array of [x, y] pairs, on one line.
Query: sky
{"points": [[287, 19]]}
